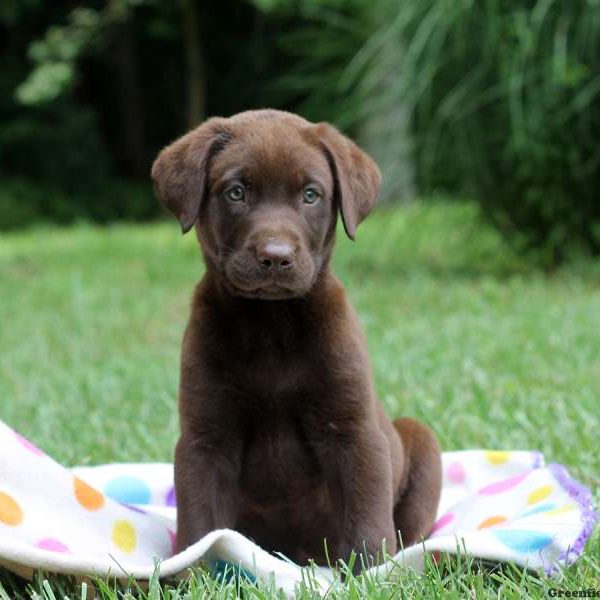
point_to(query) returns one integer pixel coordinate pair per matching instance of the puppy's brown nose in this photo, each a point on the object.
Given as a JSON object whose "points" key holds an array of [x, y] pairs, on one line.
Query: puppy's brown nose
{"points": [[275, 254]]}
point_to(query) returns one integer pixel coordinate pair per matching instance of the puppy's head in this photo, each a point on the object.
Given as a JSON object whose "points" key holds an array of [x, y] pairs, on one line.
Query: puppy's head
{"points": [[264, 189]]}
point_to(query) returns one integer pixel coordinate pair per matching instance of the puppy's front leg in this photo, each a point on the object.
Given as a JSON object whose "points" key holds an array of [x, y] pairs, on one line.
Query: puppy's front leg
{"points": [[206, 485], [362, 493]]}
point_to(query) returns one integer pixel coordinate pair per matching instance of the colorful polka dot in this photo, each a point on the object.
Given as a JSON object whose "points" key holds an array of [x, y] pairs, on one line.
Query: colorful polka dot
{"points": [[128, 490], [541, 508], [53, 545], [170, 497], [492, 521], [443, 521], [134, 508], [522, 540], [496, 457], [503, 486], [10, 512], [540, 494], [124, 537], [226, 571], [560, 510], [28, 445], [173, 540], [87, 496], [456, 472]]}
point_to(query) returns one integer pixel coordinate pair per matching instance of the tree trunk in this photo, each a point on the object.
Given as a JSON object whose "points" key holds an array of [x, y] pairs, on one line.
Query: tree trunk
{"points": [[130, 103], [196, 93]]}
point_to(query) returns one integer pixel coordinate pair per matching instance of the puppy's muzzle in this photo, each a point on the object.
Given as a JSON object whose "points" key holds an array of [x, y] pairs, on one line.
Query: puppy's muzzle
{"points": [[274, 261]]}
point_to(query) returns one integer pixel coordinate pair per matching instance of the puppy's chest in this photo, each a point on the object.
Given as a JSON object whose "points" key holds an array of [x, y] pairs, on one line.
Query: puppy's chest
{"points": [[279, 461], [271, 374]]}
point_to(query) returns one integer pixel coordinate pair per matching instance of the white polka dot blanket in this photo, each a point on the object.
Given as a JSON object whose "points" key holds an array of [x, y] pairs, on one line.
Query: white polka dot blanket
{"points": [[119, 519]]}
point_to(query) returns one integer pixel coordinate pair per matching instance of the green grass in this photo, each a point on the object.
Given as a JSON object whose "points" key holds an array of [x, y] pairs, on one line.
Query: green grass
{"points": [[463, 335]]}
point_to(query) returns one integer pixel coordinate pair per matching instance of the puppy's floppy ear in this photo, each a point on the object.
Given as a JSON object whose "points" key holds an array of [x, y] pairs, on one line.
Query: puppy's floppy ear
{"points": [[180, 171], [356, 176]]}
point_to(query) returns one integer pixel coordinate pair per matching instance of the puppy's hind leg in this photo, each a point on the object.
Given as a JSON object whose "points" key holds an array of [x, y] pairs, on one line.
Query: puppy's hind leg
{"points": [[419, 495]]}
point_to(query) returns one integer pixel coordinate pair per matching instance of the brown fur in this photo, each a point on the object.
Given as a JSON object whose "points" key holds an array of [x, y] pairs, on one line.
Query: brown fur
{"points": [[282, 437]]}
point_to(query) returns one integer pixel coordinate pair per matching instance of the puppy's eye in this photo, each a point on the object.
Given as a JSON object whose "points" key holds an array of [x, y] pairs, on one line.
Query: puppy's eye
{"points": [[236, 193], [311, 196]]}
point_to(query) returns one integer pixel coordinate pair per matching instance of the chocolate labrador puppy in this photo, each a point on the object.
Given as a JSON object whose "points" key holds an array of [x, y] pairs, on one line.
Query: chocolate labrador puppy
{"points": [[282, 437]]}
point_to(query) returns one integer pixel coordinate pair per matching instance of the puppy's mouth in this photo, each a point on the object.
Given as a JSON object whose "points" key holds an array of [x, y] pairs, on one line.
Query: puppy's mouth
{"points": [[271, 292], [264, 291]]}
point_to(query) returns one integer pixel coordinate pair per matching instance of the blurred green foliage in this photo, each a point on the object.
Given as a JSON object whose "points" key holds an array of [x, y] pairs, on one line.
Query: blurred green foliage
{"points": [[495, 99], [90, 91], [513, 108]]}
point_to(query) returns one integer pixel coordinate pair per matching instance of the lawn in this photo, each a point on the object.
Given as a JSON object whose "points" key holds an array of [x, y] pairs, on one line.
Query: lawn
{"points": [[488, 350]]}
